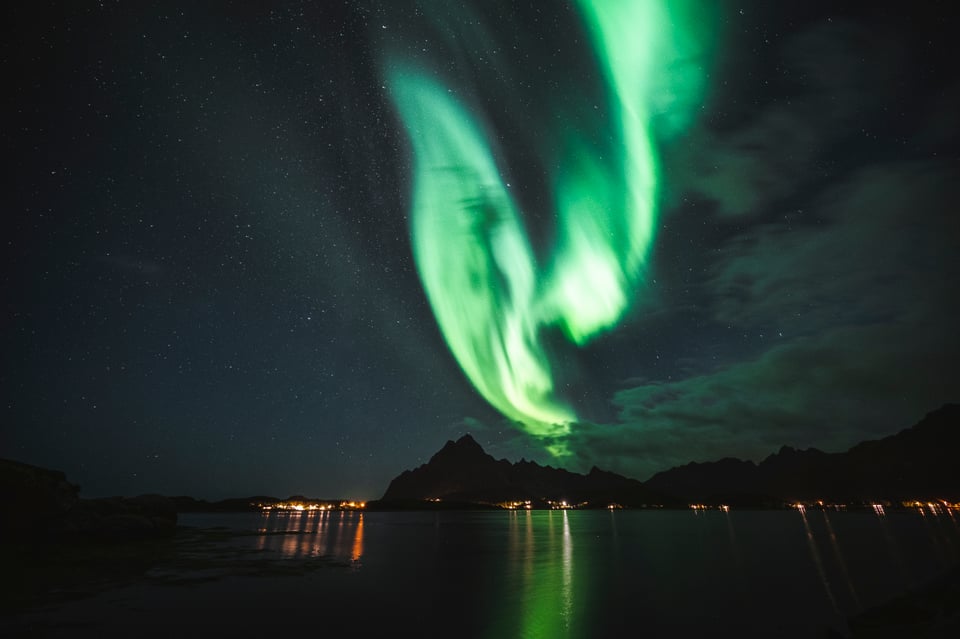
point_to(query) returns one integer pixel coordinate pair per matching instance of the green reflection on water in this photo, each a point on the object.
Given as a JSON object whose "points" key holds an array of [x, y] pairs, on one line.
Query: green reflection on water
{"points": [[541, 569]]}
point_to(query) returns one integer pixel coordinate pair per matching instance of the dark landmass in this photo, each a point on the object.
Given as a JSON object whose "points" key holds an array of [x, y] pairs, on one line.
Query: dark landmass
{"points": [[462, 474], [48, 507], [55, 546], [919, 462]]}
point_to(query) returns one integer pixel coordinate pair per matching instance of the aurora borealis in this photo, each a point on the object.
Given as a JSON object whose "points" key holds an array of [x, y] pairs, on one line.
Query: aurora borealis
{"points": [[474, 258], [490, 296], [293, 248]]}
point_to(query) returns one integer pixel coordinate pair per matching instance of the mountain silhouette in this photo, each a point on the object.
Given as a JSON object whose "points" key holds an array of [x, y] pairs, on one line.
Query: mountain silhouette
{"points": [[463, 473], [919, 462]]}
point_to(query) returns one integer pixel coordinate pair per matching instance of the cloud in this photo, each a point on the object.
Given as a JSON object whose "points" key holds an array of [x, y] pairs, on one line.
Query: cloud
{"points": [[876, 248], [833, 81], [829, 391]]}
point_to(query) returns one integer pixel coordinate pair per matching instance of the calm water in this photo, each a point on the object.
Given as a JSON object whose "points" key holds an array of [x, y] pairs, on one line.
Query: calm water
{"points": [[521, 574]]}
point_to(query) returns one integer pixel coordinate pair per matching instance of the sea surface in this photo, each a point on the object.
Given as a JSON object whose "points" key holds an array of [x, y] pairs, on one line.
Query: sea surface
{"points": [[651, 573]]}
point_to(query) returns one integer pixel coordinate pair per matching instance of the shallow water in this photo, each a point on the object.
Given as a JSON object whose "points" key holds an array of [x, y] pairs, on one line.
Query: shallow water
{"points": [[658, 573]]}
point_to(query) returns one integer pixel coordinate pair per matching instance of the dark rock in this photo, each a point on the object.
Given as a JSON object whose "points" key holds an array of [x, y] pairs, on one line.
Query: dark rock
{"points": [[42, 500], [47, 506], [932, 610]]}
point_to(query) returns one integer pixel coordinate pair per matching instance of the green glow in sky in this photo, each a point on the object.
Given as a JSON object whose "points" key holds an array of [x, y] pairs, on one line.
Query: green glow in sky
{"points": [[491, 298], [474, 258]]}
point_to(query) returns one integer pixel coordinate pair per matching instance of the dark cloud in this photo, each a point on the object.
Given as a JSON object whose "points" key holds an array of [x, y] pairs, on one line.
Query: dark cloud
{"points": [[874, 248], [827, 85]]}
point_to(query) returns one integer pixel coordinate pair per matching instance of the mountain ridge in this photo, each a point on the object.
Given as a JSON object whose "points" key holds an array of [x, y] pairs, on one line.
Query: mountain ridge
{"points": [[462, 472], [916, 462]]}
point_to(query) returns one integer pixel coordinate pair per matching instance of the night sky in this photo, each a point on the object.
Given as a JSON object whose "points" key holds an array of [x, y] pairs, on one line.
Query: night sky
{"points": [[211, 280]]}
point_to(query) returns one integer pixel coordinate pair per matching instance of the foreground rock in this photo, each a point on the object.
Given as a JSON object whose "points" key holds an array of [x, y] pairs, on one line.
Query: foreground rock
{"points": [[932, 611], [42, 505]]}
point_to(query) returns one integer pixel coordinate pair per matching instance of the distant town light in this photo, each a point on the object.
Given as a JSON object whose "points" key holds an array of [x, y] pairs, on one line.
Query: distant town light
{"points": [[310, 506]]}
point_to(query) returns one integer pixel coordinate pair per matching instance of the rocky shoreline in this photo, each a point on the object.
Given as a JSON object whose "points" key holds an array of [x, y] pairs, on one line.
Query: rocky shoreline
{"points": [[45, 507]]}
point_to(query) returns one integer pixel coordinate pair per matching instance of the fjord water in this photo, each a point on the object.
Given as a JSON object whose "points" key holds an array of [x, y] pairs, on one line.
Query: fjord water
{"points": [[656, 573]]}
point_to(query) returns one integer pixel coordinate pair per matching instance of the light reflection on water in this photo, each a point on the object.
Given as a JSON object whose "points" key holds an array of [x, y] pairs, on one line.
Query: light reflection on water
{"points": [[541, 570], [567, 609], [551, 555], [815, 556], [911, 547], [597, 574], [835, 545], [553, 574], [316, 533]]}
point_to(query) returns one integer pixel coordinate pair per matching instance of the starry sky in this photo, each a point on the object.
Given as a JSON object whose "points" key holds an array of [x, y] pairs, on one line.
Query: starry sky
{"points": [[210, 280]]}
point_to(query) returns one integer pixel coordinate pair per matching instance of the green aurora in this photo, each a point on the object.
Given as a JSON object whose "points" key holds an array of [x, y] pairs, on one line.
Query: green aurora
{"points": [[491, 297]]}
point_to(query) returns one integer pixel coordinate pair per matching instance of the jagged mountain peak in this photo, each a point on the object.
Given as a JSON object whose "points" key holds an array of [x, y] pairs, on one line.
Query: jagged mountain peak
{"points": [[462, 471], [464, 448]]}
